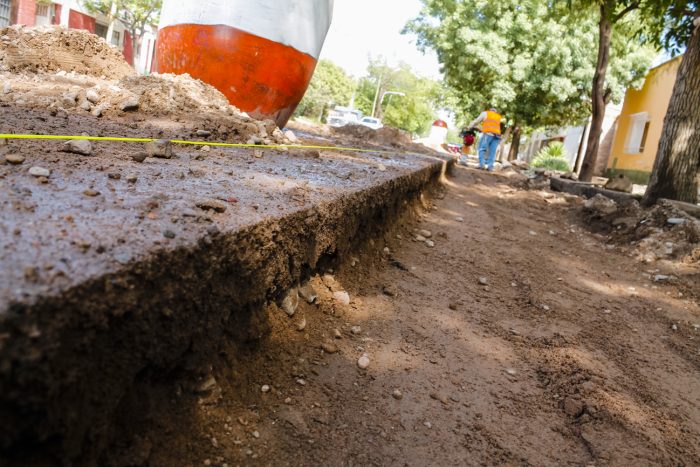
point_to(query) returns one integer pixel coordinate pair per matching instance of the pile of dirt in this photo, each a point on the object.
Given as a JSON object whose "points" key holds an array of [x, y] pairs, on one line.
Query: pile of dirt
{"points": [[386, 135], [661, 232], [55, 48], [175, 94], [75, 72], [172, 102], [524, 178]]}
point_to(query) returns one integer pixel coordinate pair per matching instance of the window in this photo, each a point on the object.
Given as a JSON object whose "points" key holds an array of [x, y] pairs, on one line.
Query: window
{"points": [[4, 13], [42, 10], [637, 133], [101, 30], [44, 14], [643, 144]]}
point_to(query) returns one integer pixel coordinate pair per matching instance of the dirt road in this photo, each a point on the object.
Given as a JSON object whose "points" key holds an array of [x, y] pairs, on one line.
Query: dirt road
{"points": [[518, 339]]}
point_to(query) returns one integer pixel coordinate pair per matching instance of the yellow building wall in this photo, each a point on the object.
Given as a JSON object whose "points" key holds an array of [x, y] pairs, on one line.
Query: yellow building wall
{"points": [[652, 98]]}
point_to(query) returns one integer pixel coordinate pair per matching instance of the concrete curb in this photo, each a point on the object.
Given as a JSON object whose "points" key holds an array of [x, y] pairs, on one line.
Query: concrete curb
{"points": [[587, 190]]}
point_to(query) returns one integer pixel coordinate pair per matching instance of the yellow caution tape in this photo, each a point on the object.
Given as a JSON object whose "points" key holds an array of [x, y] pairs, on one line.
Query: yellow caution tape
{"points": [[194, 143]]}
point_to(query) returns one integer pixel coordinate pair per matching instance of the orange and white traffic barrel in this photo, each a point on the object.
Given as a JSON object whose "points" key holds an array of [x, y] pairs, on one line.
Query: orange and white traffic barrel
{"points": [[261, 54], [438, 132]]}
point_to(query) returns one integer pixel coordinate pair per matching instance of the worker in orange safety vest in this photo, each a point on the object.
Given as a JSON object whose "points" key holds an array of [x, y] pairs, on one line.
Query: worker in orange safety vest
{"points": [[491, 128]]}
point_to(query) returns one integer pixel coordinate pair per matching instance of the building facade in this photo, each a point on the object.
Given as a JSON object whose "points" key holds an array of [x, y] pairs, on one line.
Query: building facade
{"points": [[72, 14], [641, 123], [575, 140]]}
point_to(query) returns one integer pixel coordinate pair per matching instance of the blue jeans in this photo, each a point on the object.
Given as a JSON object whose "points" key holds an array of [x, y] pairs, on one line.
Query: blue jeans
{"points": [[489, 143]]}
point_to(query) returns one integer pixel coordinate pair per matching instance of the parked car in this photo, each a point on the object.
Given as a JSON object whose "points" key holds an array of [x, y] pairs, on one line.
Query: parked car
{"points": [[337, 121], [341, 116], [373, 123]]}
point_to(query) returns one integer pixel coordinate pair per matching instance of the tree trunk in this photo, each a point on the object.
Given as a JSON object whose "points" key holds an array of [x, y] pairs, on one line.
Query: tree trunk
{"points": [[379, 112], [678, 157], [376, 95], [579, 152], [515, 145], [504, 140], [598, 96]]}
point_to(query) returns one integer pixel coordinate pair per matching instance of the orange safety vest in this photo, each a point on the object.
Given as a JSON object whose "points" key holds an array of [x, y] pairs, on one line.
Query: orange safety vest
{"points": [[492, 123]]}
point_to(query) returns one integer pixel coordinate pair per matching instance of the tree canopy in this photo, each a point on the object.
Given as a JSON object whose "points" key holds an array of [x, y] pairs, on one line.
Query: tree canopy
{"points": [[134, 14], [413, 112], [524, 57], [330, 86], [670, 22]]}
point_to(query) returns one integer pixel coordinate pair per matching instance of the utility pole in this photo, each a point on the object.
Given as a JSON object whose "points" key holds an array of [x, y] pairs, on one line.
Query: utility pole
{"points": [[381, 100], [376, 95], [112, 19], [581, 148], [65, 12]]}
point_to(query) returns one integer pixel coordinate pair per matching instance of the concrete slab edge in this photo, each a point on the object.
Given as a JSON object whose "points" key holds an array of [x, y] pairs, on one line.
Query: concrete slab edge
{"points": [[67, 361]]}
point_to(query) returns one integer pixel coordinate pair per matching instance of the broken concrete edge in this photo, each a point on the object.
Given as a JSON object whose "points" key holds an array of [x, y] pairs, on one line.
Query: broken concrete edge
{"points": [[67, 362], [589, 191], [690, 209]]}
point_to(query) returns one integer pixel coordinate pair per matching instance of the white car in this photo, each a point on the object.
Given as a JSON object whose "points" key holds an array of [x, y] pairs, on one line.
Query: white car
{"points": [[341, 116], [337, 121], [373, 123]]}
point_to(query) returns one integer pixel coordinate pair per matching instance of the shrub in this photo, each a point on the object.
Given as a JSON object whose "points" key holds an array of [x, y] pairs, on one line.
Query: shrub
{"points": [[553, 149], [552, 157], [552, 163]]}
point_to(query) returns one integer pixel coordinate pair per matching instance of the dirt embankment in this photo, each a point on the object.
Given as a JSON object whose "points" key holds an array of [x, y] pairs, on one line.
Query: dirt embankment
{"points": [[72, 363], [121, 267]]}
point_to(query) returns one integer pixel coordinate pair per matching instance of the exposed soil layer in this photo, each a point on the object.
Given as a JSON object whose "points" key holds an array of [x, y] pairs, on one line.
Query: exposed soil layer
{"points": [[113, 271], [386, 135], [520, 338]]}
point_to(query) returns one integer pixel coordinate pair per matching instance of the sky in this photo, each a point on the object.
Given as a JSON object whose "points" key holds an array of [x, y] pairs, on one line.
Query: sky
{"points": [[373, 27]]}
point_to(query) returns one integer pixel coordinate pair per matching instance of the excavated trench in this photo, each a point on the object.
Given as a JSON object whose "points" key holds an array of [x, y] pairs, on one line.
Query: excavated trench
{"points": [[74, 362]]}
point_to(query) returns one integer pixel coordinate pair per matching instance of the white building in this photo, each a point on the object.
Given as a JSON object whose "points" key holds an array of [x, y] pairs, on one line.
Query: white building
{"points": [[575, 140]]}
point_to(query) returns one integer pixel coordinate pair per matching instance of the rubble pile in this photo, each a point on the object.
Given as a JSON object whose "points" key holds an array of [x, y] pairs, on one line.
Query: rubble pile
{"points": [[385, 135], [521, 176], [661, 232], [176, 94]]}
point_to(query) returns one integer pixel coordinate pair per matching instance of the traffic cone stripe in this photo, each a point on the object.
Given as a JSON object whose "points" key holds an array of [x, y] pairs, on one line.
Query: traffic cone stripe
{"points": [[260, 54]]}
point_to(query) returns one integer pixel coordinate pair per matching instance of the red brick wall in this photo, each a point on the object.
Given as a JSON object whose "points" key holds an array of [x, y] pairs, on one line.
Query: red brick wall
{"points": [[77, 20], [26, 12], [128, 50]]}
